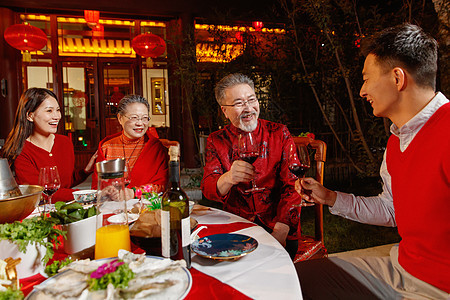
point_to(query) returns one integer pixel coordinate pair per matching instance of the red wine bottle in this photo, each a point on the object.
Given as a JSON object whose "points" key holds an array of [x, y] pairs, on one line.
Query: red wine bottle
{"points": [[175, 220], [299, 170]]}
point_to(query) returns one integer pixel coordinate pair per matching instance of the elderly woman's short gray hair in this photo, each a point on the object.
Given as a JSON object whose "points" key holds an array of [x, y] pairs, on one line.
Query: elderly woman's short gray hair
{"points": [[128, 99], [230, 81]]}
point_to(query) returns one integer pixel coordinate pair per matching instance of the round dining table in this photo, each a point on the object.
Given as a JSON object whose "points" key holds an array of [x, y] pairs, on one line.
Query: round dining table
{"points": [[266, 273]]}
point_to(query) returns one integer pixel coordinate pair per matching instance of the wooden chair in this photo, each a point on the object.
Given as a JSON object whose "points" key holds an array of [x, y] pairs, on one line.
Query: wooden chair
{"points": [[313, 247], [167, 143]]}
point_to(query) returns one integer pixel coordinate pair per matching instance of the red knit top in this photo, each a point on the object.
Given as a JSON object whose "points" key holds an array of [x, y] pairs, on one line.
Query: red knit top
{"points": [[151, 167], [32, 159], [421, 193]]}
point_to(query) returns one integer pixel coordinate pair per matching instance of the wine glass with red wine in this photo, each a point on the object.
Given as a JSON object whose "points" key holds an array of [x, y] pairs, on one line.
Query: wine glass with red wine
{"points": [[299, 164], [49, 180], [249, 151]]}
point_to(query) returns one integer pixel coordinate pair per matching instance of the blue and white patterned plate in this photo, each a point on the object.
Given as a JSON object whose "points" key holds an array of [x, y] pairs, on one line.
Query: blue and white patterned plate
{"points": [[224, 246]]}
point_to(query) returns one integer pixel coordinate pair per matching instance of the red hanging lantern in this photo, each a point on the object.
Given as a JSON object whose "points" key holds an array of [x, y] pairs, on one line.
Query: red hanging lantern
{"points": [[92, 17], [148, 45], [258, 25], [25, 37]]}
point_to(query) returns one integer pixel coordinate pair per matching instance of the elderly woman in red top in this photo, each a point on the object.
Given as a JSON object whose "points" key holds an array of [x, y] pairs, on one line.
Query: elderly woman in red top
{"points": [[146, 158], [226, 178], [33, 143]]}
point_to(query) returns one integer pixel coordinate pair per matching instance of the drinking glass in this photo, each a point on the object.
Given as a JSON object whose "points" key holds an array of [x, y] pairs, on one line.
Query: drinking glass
{"points": [[249, 150], [49, 180], [299, 164]]}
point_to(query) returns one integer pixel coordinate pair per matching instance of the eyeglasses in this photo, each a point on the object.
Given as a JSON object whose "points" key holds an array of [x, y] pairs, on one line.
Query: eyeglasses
{"points": [[241, 104], [135, 118]]}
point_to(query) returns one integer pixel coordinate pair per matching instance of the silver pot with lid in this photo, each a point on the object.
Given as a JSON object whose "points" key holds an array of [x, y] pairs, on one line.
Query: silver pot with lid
{"points": [[8, 185]]}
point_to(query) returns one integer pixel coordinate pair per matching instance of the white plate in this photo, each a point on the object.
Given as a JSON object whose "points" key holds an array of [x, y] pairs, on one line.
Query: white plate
{"points": [[120, 218], [178, 291]]}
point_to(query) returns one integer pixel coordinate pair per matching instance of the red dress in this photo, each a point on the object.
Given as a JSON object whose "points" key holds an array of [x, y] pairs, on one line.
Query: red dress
{"points": [[278, 201], [32, 159]]}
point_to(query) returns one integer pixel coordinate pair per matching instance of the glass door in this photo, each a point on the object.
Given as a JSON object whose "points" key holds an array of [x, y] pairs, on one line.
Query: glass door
{"points": [[80, 114], [117, 80], [92, 91]]}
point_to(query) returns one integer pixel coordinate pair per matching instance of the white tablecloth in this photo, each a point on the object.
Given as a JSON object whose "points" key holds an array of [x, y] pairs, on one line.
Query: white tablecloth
{"points": [[266, 273]]}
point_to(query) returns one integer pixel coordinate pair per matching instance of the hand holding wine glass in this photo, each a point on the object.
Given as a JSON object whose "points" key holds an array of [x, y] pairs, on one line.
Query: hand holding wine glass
{"points": [[299, 164], [49, 180], [249, 151]]}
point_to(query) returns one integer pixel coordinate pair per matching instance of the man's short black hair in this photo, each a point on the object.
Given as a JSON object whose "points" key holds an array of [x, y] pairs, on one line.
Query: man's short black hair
{"points": [[406, 46]]}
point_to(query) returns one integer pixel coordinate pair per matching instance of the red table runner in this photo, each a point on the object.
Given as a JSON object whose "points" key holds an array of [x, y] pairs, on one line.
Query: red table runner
{"points": [[223, 228], [203, 285]]}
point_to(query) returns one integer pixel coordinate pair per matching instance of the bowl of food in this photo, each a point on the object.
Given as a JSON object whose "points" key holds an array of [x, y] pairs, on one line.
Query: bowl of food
{"points": [[19, 207], [85, 196], [80, 235], [80, 224]]}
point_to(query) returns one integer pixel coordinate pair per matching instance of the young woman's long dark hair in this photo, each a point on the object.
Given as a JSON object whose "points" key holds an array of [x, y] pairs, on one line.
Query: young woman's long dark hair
{"points": [[30, 100]]}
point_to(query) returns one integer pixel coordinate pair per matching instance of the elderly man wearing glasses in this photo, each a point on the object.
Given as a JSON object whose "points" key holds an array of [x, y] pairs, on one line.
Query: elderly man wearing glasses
{"points": [[227, 177], [146, 158]]}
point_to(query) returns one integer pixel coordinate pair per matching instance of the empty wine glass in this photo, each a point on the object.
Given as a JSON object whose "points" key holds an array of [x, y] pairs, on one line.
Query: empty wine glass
{"points": [[299, 164], [249, 150], [49, 180]]}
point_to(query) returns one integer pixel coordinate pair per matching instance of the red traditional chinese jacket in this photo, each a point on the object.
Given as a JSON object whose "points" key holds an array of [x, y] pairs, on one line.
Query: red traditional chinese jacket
{"points": [[278, 201]]}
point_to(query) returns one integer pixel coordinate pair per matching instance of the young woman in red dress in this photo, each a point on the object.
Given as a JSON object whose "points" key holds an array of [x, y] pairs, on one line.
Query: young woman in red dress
{"points": [[33, 143]]}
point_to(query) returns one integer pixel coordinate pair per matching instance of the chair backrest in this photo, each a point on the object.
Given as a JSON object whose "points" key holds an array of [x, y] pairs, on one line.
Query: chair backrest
{"points": [[167, 143], [320, 148]]}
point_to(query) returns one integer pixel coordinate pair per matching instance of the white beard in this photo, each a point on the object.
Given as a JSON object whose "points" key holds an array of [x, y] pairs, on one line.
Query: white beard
{"points": [[249, 127]]}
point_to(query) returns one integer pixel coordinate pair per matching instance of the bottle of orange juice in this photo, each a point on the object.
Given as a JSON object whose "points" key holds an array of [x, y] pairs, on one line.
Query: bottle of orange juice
{"points": [[112, 222]]}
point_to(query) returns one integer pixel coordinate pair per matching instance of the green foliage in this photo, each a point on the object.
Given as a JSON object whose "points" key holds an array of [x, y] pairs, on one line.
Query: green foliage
{"points": [[37, 230], [321, 30], [328, 34], [155, 200], [11, 294], [377, 139], [69, 213], [341, 234], [53, 268]]}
